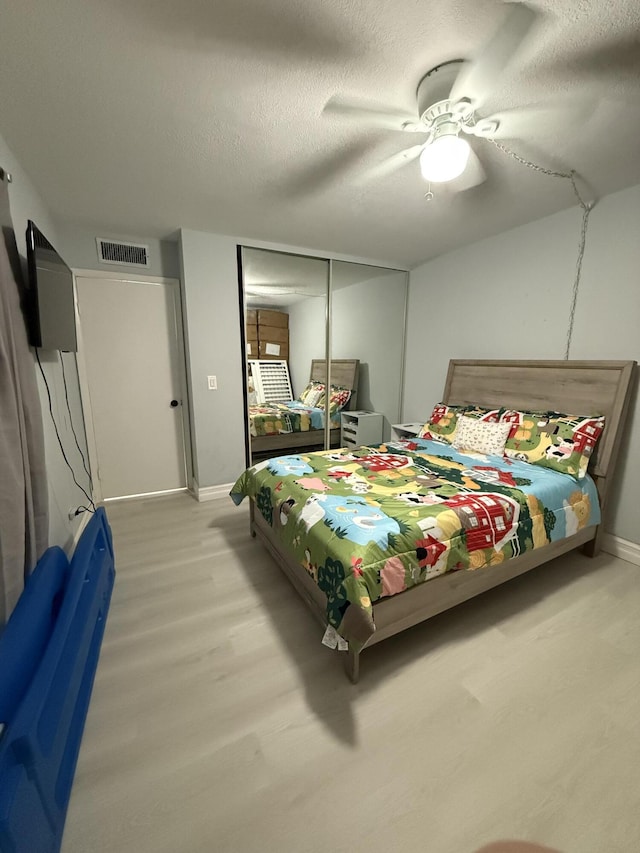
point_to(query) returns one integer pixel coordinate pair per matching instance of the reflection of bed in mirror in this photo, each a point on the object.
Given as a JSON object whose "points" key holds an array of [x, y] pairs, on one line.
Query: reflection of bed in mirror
{"points": [[300, 433]]}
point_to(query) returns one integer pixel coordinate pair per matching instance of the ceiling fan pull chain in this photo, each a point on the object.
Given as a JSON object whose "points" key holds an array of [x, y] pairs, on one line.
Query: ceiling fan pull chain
{"points": [[429, 195], [587, 207]]}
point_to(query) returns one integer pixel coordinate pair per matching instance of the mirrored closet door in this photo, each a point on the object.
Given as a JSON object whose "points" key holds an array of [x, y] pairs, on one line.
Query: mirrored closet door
{"points": [[286, 306], [325, 350], [368, 307]]}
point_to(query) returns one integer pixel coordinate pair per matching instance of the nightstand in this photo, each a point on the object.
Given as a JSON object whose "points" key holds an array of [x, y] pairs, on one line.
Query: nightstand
{"points": [[358, 428], [399, 431]]}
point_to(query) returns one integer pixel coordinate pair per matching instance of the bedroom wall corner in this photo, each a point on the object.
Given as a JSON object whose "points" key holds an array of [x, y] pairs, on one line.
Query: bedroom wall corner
{"points": [[509, 297], [211, 313], [63, 494]]}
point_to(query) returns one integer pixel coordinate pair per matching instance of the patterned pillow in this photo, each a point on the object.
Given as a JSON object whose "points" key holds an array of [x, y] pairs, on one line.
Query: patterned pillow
{"points": [[441, 426], [312, 394], [564, 443], [338, 400], [480, 436]]}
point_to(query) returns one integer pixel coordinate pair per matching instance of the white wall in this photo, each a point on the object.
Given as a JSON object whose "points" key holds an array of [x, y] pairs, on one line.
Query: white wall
{"points": [[307, 338], [63, 494], [509, 297], [368, 323], [211, 311], [78, 247]]}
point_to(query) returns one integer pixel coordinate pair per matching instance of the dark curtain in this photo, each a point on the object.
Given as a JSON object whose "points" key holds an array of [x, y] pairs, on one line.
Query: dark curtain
{"points": [[23, 484]]}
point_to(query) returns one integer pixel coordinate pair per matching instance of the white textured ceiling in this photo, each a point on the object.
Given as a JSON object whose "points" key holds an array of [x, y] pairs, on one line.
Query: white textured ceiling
{"points": [[143, 116]]}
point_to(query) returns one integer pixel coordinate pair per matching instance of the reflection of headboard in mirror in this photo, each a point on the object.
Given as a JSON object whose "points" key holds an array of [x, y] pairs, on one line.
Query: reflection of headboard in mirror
{"points": [[344, 372]]}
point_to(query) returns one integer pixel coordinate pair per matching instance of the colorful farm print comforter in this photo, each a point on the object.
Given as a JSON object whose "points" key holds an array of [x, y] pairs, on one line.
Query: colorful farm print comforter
{"points": [[377, 521], [279, 418]]}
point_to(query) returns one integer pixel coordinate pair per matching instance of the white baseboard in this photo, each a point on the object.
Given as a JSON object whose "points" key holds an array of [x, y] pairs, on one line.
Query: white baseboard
{"points": [[629, 551], [210, 493], [145, 495]]}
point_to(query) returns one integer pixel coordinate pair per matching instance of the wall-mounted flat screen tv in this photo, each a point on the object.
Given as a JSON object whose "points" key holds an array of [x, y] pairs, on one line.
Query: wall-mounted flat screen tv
{"points": [[50, 304]]}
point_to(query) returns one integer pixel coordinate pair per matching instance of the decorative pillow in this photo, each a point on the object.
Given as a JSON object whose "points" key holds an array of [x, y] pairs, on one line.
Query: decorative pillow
{"points": [[312, 394], [338, 399], [441, 426], [424, 433], [564, 443], [442, 423], [480, 436]]}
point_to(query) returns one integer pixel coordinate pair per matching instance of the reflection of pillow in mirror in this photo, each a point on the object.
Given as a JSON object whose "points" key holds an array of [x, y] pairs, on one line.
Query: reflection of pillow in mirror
{"points": [[314, 398], [480, 436], [312, 394], [338, 400]]}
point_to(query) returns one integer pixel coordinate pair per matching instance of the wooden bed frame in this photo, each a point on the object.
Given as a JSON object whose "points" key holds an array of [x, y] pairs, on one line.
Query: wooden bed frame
{"points": [[344, 372], [577, 387]]}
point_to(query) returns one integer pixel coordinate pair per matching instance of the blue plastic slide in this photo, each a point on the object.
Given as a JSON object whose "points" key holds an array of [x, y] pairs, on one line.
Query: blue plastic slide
{"points": [[48, 656]]}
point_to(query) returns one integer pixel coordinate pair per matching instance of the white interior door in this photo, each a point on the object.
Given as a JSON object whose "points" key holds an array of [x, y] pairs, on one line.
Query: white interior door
{"points": [[134, 369]]}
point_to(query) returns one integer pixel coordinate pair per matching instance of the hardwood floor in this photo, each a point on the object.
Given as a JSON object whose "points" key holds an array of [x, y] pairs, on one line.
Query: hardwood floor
{"points": [[220, 724]]}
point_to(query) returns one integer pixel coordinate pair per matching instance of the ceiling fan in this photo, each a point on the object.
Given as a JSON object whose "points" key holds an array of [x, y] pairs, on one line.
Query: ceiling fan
{"points": [[448, 97]]}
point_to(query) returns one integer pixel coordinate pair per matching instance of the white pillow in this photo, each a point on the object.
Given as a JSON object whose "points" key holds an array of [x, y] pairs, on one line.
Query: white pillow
{"points": [[313, 397], [480, 436]]}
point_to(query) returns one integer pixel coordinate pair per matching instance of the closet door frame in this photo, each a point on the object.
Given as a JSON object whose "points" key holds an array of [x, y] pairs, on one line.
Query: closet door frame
{"points": [[327, 353]]}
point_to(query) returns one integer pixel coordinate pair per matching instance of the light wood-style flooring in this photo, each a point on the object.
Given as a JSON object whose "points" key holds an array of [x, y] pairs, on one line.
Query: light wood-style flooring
{"points": [[220, 724]]}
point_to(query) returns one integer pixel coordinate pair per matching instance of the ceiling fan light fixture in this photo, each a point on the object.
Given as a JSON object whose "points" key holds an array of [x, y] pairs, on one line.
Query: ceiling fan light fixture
{"points": [[444, 159]]}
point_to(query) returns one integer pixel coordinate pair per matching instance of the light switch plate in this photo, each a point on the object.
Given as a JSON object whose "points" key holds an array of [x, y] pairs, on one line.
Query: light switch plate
{"points": [[212, 383]]}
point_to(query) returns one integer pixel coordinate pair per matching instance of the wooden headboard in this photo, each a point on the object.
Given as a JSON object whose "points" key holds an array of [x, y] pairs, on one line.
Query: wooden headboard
{"points": [[574, 387], [344, 372]]}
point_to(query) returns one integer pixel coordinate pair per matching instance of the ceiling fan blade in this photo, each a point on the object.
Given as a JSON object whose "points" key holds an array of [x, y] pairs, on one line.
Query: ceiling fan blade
{"points": [[324, 171], [615, 61], [374, 115], [479, 77], [536, 119], [393, 163]]}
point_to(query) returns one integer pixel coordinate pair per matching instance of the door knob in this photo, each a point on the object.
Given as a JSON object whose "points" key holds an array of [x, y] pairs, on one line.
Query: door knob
{"points": [[173, 404]]}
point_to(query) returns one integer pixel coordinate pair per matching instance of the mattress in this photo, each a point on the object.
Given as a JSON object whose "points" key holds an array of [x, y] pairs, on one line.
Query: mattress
{"points": [[377, 521]]}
